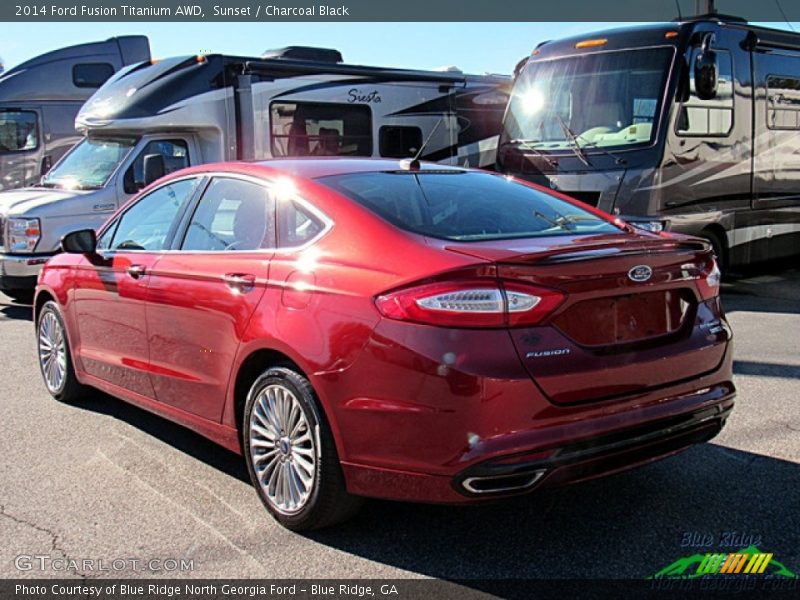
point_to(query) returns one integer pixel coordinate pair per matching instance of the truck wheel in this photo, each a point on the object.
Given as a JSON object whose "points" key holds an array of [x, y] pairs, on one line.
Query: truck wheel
{"points": [[55, 361], [291, 455]]}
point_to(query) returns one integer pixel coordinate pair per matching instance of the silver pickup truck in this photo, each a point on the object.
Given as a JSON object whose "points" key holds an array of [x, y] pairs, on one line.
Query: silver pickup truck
{"points": [[81, 191]]}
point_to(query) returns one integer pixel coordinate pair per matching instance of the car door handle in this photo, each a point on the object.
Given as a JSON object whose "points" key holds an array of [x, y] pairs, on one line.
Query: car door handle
{"points": [[136, 271], [239, 282]]}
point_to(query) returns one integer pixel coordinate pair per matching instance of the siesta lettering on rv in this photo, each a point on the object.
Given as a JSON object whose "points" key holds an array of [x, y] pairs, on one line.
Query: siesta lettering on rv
{"points": [[356, 95]]}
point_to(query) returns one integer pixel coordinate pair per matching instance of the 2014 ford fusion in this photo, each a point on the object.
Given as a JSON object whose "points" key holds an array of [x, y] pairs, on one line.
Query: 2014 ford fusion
{"points": [[362, 328]]}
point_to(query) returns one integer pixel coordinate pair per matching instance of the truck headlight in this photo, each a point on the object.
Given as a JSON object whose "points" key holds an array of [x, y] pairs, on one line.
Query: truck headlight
{"points": [[23, 234], [653, 226]]}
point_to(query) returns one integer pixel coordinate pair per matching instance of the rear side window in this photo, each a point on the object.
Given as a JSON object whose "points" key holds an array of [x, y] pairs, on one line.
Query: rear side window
{"points": [[296, 225], [91, 75], [465, 206]]}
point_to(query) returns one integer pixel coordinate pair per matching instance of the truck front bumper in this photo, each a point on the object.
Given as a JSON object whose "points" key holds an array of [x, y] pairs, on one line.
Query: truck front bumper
{"points": [[19, 271]]}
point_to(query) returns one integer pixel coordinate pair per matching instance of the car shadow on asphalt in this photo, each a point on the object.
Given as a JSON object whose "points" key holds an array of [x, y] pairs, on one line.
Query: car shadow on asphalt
{"points": [[177, 436], [628, 525], [15, 312]]}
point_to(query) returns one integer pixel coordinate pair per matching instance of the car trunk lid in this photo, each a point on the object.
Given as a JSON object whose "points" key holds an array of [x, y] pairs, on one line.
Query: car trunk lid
{"points": [[634, 316]]}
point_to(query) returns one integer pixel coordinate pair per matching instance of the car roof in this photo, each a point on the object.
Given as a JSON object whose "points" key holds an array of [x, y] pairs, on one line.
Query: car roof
{"points": [[314, 167]]}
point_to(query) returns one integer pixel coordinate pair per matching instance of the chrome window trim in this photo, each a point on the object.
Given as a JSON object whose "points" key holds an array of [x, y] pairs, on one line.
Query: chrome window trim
{"points": [[264, 182]]}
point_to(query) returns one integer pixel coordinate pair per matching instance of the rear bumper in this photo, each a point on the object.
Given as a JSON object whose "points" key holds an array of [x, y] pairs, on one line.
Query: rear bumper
{"points": [[593, 457], [19, 271], [643, 436]]}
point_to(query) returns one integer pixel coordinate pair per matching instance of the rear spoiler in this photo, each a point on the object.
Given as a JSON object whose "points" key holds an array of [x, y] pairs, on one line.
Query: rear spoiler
{"points": [[631, 249]]}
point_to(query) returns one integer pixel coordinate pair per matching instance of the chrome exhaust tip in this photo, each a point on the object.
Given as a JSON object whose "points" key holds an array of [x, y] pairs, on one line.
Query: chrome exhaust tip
{"points": [[502, 484]]}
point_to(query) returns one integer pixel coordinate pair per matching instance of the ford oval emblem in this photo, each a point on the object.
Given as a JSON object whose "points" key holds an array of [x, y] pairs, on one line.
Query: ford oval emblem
{"points": [[640, 273]]}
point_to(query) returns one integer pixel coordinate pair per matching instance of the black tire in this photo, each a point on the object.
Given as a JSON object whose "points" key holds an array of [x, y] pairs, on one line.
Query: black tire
{"points": [[719, 249], [21, 296], [69, 389], [327, 502]]}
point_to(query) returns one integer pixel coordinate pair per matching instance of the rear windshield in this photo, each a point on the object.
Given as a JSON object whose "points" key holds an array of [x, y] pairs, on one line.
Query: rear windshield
{"points": [[465, 205]]}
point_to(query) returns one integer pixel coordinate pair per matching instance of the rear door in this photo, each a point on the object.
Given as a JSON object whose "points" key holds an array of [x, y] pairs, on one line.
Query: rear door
{"points": [[202, 294]]}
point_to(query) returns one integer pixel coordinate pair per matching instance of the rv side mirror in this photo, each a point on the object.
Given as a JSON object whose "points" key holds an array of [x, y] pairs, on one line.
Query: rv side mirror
{"points": [[705, 71], [153, 168], [83, 241]]}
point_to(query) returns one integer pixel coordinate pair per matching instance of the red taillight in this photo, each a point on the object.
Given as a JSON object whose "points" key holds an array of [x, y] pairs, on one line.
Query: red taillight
{"points": [[470, 304], [708, 282]]}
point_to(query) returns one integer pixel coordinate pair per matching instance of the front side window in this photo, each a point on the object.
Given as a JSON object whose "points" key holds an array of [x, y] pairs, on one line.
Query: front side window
{"points": [[708, 117], [603, 99], [311, 129], [176, 156], [465, 206], [233, 214], [89, 165], [18, 131], [147, 223]]}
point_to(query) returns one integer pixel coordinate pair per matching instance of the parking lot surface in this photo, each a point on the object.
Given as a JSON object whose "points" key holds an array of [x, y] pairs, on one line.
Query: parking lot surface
{"points": [[102, 480]]}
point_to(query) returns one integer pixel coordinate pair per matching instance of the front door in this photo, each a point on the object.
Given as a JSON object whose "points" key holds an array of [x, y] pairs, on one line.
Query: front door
{"points": [[202, 294], [110, 287]]}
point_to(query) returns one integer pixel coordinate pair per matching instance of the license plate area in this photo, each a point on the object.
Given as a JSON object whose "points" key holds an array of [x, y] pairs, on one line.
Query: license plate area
{"points": [[626, 318]]}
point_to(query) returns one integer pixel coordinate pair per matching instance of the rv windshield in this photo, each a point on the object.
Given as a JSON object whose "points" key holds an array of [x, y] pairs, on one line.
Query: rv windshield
{"points": [[89, 165], [603, 100]]}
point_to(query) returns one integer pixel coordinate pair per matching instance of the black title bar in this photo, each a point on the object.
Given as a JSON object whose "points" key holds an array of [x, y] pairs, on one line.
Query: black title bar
{"points": [[382, 10]]}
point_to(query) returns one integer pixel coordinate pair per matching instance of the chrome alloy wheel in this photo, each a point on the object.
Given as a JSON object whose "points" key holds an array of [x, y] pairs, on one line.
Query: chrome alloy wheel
{"points": [[282, 449], [52, 352]]}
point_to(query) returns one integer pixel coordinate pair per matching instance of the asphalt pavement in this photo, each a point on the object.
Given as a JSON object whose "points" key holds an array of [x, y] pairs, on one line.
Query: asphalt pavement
{"points": [[104, 481]]}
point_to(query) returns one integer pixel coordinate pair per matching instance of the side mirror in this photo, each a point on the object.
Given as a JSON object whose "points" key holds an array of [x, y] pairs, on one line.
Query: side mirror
{"points": [[83, 241], [705, 71], [154, 168]]}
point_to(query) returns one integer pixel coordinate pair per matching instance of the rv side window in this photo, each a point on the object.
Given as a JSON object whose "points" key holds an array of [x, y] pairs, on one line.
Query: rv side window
{"points": [[91, 75], [18, 131], [709, 117], [312, 129], [395, 141], [176, 156], [783, 102]]}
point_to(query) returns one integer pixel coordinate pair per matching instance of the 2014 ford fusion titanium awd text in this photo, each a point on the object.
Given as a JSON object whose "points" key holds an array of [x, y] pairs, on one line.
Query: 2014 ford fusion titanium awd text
{"points": [[362, 328]]}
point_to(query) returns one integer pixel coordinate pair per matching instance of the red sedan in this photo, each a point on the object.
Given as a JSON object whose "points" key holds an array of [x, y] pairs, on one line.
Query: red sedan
{"points": [[388, 329]]}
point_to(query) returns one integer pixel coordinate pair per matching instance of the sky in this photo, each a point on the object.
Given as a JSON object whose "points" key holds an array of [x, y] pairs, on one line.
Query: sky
{"points": [[472, 47]]}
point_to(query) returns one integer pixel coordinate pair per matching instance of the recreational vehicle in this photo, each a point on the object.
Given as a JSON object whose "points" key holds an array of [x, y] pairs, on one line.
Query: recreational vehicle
{"points": [[688, 126], [156, 117], [40, 98]]}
